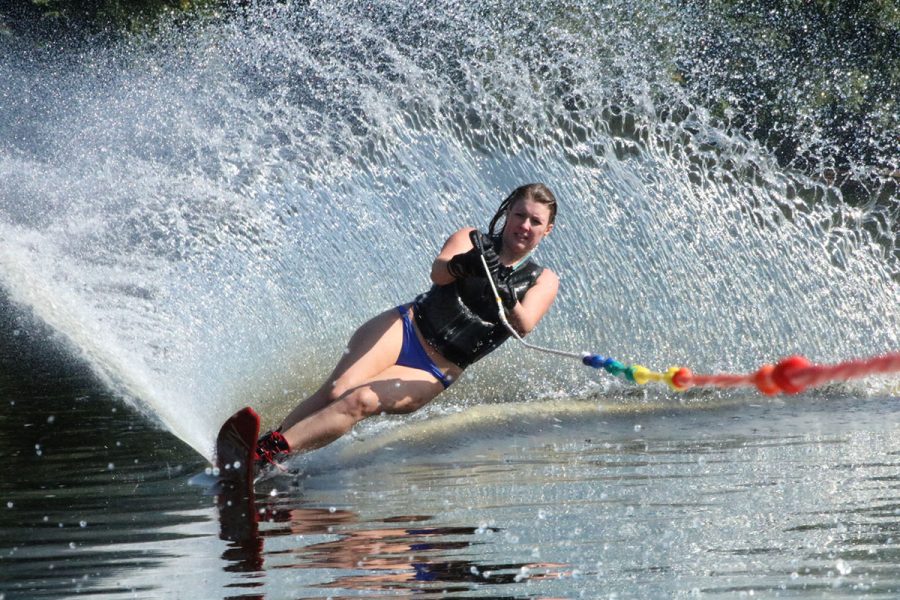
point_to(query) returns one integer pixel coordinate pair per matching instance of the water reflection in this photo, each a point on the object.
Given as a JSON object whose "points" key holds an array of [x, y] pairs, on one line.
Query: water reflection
{"points": [[397, 553]]}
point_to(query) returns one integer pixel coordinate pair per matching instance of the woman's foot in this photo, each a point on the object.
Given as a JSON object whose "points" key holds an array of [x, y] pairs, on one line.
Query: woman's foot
{"points": [[271, 449]]}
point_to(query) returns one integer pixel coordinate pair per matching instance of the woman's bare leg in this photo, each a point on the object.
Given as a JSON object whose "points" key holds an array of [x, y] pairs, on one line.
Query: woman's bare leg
{"points": [[372, 348], [397, 390], [366, 381]]}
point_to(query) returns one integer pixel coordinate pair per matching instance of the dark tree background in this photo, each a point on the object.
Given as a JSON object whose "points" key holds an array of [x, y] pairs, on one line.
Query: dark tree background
{"points": [[43, 20]]}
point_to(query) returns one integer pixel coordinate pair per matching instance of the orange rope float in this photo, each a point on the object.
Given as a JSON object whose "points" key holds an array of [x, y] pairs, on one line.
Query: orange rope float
{"points": [[791, 375]]}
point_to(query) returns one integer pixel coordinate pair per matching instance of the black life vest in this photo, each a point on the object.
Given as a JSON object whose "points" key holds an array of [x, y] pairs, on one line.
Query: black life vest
{"points": [[460, 319]]}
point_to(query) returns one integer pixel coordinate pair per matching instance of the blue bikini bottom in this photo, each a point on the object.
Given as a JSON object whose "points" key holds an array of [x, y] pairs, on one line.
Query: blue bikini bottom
{"points": [[413, 355]]}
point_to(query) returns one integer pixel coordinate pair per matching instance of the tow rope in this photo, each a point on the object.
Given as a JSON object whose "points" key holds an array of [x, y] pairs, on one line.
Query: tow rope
{"points": [[790, 375]]}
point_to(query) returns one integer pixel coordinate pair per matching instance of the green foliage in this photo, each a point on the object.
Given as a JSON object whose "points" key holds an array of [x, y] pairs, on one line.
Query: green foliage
{"points": [[44, 19], [816, 80]]}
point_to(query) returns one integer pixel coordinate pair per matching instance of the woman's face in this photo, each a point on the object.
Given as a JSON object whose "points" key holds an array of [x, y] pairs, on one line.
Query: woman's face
{"points": [[527, 222]]}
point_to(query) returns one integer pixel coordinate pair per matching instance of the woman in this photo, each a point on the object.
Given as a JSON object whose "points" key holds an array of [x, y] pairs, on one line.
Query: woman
{"points": [[400, 360]]}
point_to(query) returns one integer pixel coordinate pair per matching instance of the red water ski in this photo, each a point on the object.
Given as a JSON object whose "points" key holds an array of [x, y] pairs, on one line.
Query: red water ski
{"points": [[236, 448]]}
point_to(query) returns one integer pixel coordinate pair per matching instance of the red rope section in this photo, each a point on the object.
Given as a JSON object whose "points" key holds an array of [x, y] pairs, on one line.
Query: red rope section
{"points": [[792, 375]]}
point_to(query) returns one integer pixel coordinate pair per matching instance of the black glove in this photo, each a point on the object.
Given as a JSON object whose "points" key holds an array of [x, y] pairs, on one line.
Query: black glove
{"points": [[468, 264], [484, 245]]}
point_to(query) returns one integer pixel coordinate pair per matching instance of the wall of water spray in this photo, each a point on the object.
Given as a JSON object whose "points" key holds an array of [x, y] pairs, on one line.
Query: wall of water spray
{"points": [[207, 212]]}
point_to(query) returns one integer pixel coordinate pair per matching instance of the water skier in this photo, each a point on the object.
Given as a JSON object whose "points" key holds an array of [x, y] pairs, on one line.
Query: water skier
{"points": [[403, 358]]}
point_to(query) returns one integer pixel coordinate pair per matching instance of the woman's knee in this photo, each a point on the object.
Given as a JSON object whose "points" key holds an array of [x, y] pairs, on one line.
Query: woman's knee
{"points": [[334, 391], [340, 388], [360, 403]]}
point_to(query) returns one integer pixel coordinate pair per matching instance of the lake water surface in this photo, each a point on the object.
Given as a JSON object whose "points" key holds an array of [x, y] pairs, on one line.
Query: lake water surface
{"points": [[596, 498]]}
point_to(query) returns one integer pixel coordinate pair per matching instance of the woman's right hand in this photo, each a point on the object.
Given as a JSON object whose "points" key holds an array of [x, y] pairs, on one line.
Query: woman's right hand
{"points": [[468, 264]]}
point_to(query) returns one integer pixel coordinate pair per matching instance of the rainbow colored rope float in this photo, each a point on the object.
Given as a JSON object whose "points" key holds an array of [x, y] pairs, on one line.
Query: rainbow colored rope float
{"points": [[792, 375]]}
